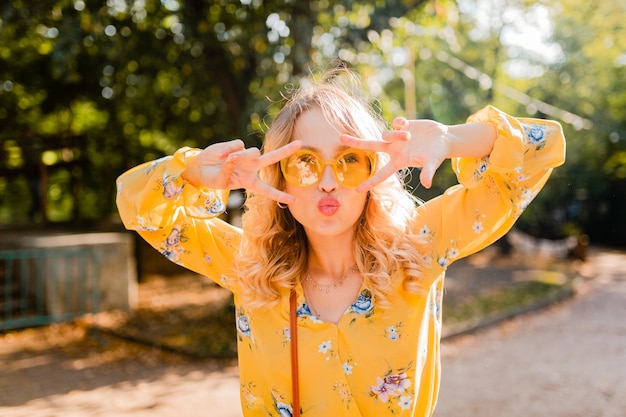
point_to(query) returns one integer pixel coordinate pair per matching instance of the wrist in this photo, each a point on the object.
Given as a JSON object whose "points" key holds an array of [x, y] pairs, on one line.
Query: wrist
{"points": [[471, 140], [192, 171]]}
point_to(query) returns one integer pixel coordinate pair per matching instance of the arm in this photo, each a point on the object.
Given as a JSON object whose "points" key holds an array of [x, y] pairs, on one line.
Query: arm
{"points": [[425, 144], [176, 218], [494, 189], [501, 163], [173, 203], [471, 140]]}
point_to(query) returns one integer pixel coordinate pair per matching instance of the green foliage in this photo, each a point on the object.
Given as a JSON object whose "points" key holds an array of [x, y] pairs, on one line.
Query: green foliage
{"points": [[89, 89], [117, 83], [589, 79]]}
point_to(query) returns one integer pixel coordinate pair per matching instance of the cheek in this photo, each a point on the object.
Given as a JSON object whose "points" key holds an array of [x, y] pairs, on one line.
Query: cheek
{"points": [[301, 194], [357, 205], [302, 203]]}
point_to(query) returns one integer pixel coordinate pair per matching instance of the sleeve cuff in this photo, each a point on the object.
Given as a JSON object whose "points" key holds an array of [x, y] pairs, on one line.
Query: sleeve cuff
{"points": [[518, 139], [198, 202]]}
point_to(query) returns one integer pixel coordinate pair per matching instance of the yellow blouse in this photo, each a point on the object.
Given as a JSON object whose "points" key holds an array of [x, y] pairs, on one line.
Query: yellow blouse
{"points": [[373, 362]]}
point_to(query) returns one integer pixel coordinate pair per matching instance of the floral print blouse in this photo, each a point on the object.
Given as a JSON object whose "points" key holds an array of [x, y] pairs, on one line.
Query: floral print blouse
{"points": [[374, 362]]}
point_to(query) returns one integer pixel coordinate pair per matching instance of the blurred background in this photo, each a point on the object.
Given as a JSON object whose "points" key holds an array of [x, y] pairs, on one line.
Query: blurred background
{"points": [[89, 89]]}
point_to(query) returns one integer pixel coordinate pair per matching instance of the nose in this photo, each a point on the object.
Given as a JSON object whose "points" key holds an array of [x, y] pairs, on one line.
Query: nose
{"points": [[328, 182]]}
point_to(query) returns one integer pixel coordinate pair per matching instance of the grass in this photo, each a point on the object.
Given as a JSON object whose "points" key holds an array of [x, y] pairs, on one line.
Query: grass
{"points": [[500, 303]]}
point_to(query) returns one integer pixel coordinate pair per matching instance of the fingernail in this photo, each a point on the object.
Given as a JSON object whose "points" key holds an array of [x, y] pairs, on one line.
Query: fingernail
{"points": [[401, 122]]}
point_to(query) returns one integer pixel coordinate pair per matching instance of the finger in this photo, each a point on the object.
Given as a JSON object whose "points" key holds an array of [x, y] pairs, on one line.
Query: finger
{"points": [[380, 176], [276, 155], [400, 123], [246, 154], [397, 135], [229, 165], [364, 144], [274, 193], [428, 173], [236, 160], [229, 147]]}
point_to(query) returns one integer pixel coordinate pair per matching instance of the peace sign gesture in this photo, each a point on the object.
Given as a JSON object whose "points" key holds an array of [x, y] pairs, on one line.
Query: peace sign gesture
{"points": [[229, 165], [425, 144], [414, 143]]}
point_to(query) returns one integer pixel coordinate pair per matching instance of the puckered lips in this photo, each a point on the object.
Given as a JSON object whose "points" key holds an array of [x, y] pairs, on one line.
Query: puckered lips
{"points": [[328, 206]]}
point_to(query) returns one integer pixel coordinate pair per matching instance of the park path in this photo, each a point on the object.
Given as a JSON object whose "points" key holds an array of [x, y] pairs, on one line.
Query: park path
{"points": [[566, 361]]}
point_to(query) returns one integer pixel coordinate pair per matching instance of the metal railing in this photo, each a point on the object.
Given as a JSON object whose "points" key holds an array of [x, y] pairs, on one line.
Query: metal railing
{"points": [[40, 286]]}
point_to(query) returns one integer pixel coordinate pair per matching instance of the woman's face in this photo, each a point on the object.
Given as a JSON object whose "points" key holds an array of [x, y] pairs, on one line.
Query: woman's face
{"points": [[327, 208]]}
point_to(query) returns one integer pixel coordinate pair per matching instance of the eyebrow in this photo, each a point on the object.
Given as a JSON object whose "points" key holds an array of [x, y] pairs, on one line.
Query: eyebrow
{"points": [[318, 150]]}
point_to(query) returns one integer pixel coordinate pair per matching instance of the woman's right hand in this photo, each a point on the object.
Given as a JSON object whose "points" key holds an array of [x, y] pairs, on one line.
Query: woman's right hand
{"points": [[229, 165]]}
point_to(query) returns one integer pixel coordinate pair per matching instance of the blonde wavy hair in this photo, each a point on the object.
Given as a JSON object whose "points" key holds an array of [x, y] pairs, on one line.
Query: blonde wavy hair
{"points": [[274, 250]]}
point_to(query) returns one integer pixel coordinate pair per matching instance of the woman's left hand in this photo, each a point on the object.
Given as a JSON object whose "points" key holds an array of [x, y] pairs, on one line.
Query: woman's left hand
{"points": [[414, 143]]}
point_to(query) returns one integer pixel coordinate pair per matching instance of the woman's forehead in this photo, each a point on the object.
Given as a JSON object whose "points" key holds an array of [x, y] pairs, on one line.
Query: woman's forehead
{"points": [[316, 132]]}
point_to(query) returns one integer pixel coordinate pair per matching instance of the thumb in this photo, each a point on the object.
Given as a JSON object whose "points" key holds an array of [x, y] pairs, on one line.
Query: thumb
{"points": [[228, 167], [427, 174]]}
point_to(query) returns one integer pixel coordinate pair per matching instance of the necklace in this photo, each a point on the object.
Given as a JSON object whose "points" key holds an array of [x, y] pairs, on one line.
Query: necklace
{"points": [[327, 288]]}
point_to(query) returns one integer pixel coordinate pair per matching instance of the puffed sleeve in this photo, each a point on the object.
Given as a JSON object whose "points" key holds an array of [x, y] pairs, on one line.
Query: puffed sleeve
{"points": [[493, 191], [178, 219]]}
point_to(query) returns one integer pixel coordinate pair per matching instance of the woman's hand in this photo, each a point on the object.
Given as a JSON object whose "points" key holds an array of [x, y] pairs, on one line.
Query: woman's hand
{"points": [[413, 143], [425, 144], [229, 165]]}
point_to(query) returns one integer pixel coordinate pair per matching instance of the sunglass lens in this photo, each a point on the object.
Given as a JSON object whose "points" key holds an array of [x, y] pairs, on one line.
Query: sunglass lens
{"points": [[355, 167], [303, 169]]}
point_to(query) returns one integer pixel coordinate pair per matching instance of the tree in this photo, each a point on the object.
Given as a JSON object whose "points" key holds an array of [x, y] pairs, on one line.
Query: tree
{"points": [[94, 88], [89, 89], [589, 79], [561, 60]]}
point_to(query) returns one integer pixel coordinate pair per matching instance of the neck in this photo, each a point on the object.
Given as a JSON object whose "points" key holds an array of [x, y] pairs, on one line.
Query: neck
{"points": [[330, 258]]}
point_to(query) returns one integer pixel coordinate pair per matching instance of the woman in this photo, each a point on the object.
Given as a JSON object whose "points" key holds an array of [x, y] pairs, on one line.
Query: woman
{"points": [[328, 218]]}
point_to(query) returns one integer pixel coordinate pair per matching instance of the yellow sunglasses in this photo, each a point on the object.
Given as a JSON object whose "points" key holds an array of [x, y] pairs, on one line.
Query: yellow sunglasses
{"points": [[351, 167]]}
